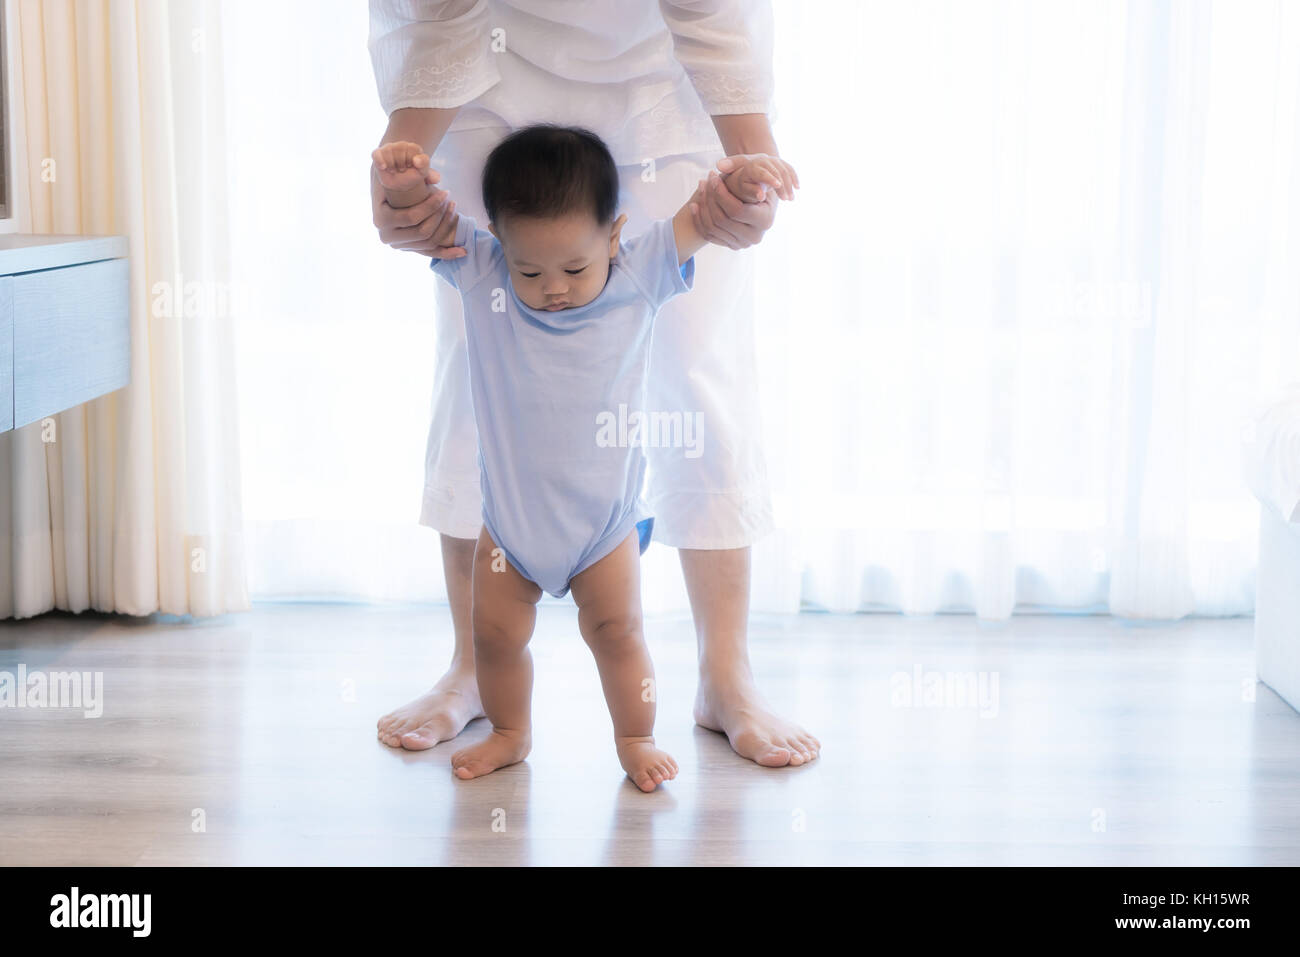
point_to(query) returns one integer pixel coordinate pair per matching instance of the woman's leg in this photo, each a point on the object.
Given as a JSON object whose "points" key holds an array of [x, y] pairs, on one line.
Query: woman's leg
{"points": [[608, 595], [442, 712], [726, 699], [453, 506], [710, 499], [504, 613], [452, 503]]}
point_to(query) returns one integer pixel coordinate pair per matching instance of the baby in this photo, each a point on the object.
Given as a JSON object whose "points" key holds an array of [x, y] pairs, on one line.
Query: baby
{"points": [[559, 311]]}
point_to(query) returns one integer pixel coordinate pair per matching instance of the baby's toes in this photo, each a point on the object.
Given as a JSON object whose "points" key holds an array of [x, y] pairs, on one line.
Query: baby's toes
{"points": [[462, 765]]}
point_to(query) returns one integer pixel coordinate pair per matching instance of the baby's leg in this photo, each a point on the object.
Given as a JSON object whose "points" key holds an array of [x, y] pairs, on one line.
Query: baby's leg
{"points": [[504, 612], [609, 614]]}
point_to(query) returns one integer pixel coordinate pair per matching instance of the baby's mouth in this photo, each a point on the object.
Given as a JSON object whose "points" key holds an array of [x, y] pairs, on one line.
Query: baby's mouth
{"points": [[556, 305]]}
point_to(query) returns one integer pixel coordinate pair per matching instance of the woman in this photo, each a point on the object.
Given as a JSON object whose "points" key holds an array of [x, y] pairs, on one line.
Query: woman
{"points": [[671, 87]]}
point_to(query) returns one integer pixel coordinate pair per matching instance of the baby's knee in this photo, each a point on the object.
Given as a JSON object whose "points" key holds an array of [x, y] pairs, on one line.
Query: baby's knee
{"points": [[614, 632], [494, 635]]}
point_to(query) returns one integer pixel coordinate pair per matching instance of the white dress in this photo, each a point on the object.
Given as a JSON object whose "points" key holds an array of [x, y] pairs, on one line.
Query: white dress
{"points": [[645, 76]]}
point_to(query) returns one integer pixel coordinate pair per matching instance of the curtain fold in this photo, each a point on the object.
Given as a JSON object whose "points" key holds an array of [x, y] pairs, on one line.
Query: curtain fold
{"points": [[134, 507]]}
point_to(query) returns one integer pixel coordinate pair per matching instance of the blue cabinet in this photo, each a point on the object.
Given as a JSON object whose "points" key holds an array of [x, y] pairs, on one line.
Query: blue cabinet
{"points": [[64, 323]]}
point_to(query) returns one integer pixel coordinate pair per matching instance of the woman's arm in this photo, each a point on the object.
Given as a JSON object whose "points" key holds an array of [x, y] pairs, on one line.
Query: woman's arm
{"points": [[755, 177], [414, 228], [725, 46], [722, 217], [430, 57]]}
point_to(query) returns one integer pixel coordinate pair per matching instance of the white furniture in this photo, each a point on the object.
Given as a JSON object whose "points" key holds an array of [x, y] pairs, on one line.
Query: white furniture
{"points": [[64, 323], [1273, 472]]}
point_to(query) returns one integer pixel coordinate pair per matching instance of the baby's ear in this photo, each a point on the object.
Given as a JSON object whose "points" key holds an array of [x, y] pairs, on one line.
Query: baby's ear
{"points": [[614, 232]]}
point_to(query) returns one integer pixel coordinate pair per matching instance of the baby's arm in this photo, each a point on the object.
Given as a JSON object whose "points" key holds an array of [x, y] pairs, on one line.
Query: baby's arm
{"points": [[748, 181], [403, 171]]}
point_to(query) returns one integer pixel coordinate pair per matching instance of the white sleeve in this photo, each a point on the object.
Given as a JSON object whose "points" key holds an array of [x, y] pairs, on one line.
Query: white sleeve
{"points": [[431, 53], [725, 47]]}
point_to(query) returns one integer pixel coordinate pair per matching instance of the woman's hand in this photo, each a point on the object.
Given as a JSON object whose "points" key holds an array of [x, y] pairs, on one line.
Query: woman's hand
{"points": [[724, 219], [427, 228]]}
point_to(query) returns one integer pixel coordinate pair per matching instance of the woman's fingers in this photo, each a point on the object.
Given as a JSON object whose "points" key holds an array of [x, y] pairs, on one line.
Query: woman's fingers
{"points": [[708, 231], [403, 225], [705, 220], [749, 221], [728, 205], [445, 233]]}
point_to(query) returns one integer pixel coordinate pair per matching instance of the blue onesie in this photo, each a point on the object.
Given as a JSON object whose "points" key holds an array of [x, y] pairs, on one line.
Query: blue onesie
{"points": [[557, 495]]}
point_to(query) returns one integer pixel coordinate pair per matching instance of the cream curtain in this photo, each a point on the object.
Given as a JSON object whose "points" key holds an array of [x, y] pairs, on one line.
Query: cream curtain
{"points": [[135, 507]]}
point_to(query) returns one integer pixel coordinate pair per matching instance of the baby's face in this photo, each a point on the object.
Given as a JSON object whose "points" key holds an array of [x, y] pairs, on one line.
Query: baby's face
{"points": [[558, 263]]}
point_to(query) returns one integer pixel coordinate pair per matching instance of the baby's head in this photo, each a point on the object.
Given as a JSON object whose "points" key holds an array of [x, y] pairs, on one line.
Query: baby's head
{"points": [[551, 193]]}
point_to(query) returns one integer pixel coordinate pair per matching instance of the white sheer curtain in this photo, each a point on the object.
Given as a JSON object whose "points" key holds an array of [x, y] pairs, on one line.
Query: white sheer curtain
{"points": [[1043, 268], [1063, 242], [116, 123]]}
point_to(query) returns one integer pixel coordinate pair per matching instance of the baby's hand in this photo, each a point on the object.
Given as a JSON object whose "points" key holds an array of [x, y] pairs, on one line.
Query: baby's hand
{"points": [[401, 167], [407, 179], [749, 177]]}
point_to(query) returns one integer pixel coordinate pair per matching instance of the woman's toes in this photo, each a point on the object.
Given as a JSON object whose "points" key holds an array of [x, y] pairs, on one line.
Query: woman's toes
{"points": [[421, 739]]}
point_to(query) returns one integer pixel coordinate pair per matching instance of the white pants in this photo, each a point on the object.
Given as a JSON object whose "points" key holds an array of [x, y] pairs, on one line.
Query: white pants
{"points": [[714, 495]]}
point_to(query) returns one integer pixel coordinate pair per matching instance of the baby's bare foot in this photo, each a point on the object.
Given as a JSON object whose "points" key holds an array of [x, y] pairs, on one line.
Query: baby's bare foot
{"points": [[497, 750], [646, 765]]}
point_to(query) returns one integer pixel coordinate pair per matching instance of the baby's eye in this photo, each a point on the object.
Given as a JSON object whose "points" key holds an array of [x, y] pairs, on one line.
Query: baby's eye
{"points": [[574, 272], [530, 275]]}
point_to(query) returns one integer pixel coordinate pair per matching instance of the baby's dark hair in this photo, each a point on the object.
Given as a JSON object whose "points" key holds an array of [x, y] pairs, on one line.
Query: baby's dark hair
{"points": [[549, 170]]}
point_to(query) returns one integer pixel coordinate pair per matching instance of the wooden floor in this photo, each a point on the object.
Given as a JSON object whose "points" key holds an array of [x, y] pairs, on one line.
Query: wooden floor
{"points": [[1105, 743]]}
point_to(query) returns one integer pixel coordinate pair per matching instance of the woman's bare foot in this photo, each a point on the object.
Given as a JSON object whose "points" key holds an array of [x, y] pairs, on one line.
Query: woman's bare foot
{"points": [[731, 705], [497, 750], [437, 715], [646, 765]]}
